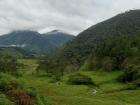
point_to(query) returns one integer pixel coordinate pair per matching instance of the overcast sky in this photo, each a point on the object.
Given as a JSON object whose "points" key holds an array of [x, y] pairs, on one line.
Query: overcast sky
{"points": [[72, 16]]}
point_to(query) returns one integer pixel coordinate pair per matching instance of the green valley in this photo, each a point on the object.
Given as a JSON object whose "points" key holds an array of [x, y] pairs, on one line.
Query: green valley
{"points": [[109, 90], [100, 66]]}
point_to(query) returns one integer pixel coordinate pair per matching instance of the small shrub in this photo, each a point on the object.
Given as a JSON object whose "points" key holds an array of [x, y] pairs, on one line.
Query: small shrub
{"points": [[131, 87], [42, 101], [131, 62], [20, 97], [71, 68], [31, 92], [4, 100], [6, 82], [4, 85], [94, 63], [131, 74], [137, 82], [79, 79], [56, 78], [108, 64]]}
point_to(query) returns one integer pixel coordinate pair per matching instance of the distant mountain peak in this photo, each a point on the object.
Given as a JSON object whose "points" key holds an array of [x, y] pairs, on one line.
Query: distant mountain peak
{"points": [[57, 31]]}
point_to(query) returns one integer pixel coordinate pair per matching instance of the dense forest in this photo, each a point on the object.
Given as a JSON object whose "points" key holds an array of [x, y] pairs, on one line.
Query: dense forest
{"points": [[125, 24]]}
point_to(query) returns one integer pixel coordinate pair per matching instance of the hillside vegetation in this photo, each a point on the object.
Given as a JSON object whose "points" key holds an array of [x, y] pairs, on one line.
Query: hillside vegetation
{"points": [[125, 24], [108, 90], [100, 47]]}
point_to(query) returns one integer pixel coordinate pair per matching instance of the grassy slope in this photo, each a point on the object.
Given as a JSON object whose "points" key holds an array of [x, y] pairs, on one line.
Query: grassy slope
{"points": [[109, 91]]}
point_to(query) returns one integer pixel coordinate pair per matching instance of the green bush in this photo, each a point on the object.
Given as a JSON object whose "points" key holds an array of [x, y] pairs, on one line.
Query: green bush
{"points": [[131, 61], [4, 100], [80, 79], [108, 64], [4, 85], [42, 101], [8, 64], [131, 74], [137, 82], [94, 63], [7, 81], [31, 92], [56, 78]]}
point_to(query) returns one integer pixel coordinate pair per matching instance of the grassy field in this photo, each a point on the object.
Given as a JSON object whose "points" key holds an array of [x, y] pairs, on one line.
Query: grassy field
{"points": [[109, 91]]}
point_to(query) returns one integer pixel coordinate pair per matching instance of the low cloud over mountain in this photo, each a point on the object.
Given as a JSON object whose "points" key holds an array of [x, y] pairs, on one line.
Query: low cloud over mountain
{"points": [[70, 15]]}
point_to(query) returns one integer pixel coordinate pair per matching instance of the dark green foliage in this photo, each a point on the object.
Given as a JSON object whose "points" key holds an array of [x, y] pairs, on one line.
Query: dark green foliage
{"points": [[80, 79], [126, 24], [31, 92], [44, 65], [8, 82], [93, 63], [51, 67], [112, 54], [9, 64], [48, 65], [42, 101], [108, 64], [131, 61], [131, 74], [116, 49], [4, 85], [131, 70], [4, 100]]}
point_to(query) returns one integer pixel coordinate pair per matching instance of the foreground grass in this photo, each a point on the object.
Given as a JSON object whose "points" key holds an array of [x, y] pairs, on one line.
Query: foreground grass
{"points": [[109, 91], [4, 100]]}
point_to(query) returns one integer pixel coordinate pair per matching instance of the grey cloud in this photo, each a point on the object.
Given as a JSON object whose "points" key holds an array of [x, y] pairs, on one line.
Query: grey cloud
{"points": [[69, 15]]}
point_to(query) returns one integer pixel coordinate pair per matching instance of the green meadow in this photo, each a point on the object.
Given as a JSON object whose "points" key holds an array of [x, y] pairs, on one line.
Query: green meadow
{"points": [[108, 90]]}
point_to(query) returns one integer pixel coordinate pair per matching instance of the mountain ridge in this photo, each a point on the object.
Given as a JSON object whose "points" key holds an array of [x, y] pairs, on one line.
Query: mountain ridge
{"points": [[123, 24], [33, 41]]}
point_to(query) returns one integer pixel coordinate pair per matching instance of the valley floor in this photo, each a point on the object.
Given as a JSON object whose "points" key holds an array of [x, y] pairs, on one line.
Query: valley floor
{"points": [[107, 92], [63, 94]]}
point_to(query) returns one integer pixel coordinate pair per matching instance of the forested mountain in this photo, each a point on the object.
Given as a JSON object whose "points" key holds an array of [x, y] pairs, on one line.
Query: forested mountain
{"points": [[125, 24], [58, 38], [35, 42]]}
